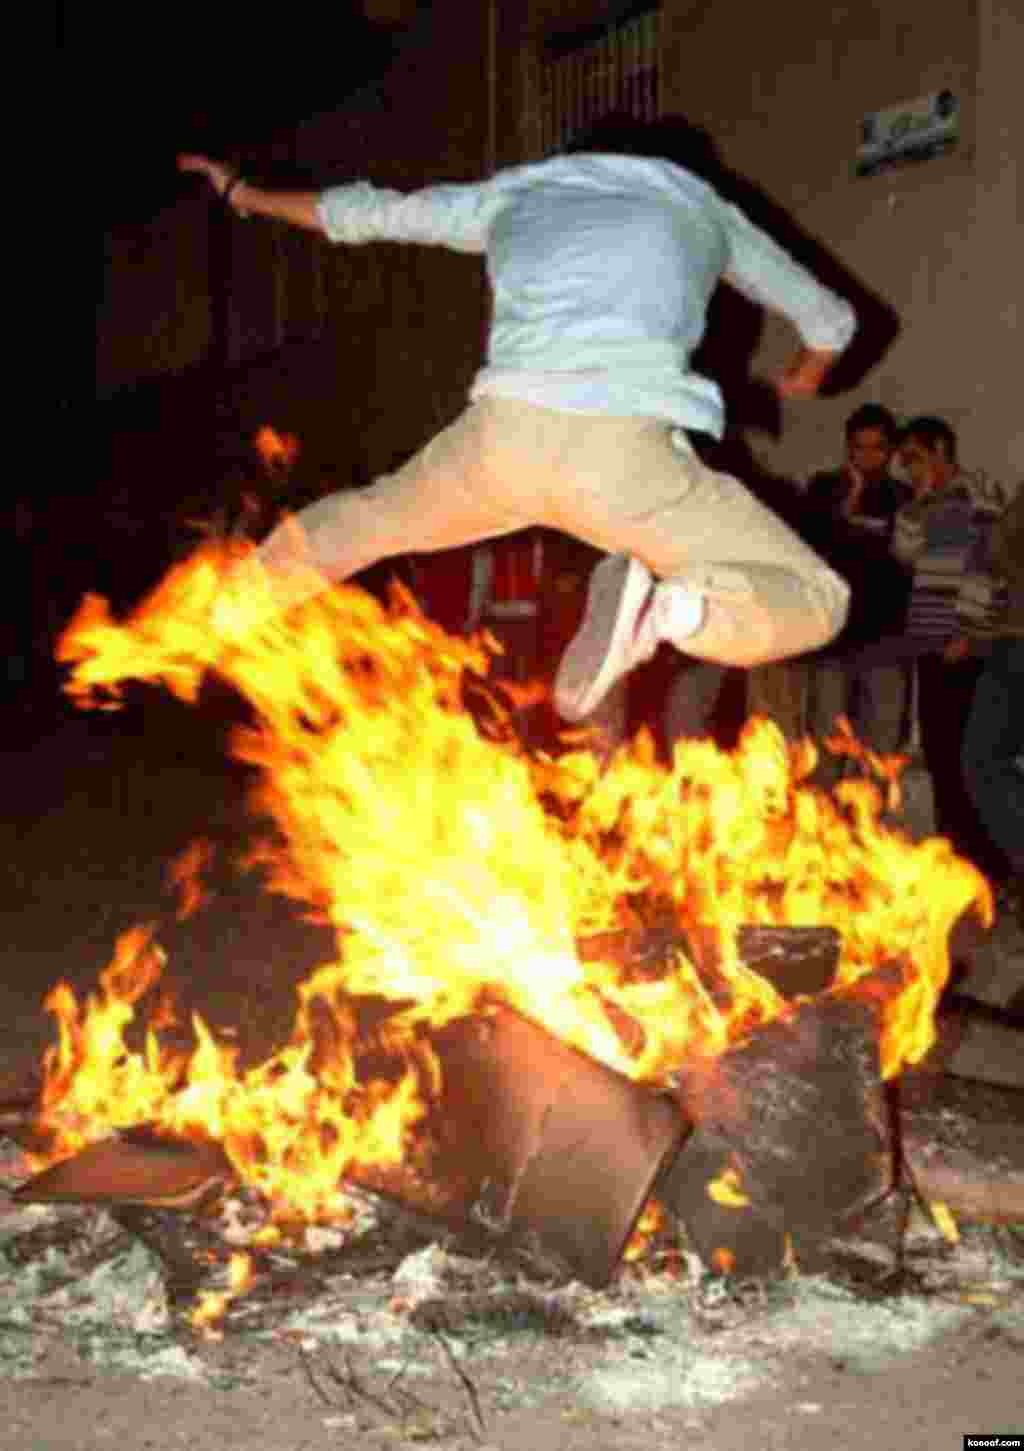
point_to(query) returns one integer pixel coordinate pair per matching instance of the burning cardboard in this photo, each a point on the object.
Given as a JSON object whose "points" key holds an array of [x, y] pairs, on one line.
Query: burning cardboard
{"points": [[560, 1149]]}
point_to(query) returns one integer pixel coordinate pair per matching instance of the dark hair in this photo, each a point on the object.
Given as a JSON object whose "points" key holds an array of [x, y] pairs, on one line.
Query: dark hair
{"points": [[671, 138], [872, 415], [930, 431]]}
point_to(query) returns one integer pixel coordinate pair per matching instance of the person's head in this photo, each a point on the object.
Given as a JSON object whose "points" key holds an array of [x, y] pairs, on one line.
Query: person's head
{"points": [[670, 138], [928, 453], [871, 434]]}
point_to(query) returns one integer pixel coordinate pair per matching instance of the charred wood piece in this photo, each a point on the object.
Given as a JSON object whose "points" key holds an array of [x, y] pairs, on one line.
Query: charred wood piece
{"points": [[962, 1144], [797, 961], [135, 1167], [791, 1138]]}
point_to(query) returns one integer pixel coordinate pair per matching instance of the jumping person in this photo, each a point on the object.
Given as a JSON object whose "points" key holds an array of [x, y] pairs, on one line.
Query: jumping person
{"points": [[601, 266]]}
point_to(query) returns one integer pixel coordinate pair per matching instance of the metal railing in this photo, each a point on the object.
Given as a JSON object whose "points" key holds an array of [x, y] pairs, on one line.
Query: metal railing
{"points": [[616, 71]]}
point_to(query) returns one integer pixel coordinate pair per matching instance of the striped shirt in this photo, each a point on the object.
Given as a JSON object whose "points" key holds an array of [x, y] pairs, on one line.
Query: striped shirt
{"points": [[944, 537]]}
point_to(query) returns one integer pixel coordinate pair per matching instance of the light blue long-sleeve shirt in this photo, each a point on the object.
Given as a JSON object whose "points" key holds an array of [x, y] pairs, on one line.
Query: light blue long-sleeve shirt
{"points": [[601, 271]]}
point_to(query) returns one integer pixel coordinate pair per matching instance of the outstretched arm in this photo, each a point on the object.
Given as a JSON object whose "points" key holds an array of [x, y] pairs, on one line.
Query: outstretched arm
{"points": [[449, 215], [764, 272], [297, 207]]}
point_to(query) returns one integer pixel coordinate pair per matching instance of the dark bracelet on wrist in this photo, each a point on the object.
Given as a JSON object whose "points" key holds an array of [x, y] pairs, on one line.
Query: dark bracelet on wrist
{"points": [[225, 195]]}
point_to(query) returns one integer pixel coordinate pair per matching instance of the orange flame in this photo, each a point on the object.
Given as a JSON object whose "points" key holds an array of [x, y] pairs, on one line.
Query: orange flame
{"points": [[652, 1219], [185, 874], [277, 450], [458, 871]]}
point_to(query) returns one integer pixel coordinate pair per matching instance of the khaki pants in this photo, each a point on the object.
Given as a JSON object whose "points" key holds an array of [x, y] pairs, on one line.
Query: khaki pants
{"points": [[626, 485]]}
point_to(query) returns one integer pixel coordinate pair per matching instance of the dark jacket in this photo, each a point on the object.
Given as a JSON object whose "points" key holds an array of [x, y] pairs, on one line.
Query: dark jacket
{"points": [[858, 548]]}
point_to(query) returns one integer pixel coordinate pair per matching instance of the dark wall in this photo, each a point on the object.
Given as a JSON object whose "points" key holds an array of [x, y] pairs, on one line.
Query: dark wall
{"points": [[211, 327]]}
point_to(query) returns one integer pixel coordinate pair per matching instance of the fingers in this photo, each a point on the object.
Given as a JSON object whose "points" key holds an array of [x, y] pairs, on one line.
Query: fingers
{"points": [[792, 382], [216, 173], [189, 162], [805, 375]]}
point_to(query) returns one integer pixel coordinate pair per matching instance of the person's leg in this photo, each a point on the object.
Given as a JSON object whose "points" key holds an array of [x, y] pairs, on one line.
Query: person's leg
{"points": [[447, 494], [691, 699], [736, 585], [993, 739], [946, 692], [881, 706], [739, 586], [778, 691], [828, 696]]}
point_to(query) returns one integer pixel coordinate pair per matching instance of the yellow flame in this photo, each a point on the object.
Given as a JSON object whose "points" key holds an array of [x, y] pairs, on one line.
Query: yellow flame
{"points": [[945, 1222], [211, 1304], [651, 1220], [726, 1190], [458, 871]]}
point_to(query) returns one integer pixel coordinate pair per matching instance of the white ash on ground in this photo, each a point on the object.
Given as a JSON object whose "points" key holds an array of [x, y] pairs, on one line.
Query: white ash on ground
{"points": [[434, 1343]]}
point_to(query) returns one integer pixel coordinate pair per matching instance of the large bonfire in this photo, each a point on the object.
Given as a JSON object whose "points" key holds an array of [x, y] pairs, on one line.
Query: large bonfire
{"points": [[458, 871]]}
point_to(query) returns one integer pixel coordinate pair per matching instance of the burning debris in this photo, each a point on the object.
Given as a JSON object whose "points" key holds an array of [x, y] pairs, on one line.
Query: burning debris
{"points": [[564, 1002], [792, 1140]]}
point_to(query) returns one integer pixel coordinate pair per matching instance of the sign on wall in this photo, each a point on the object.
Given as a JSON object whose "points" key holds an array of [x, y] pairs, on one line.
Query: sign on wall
{"points": [[914, 131]]}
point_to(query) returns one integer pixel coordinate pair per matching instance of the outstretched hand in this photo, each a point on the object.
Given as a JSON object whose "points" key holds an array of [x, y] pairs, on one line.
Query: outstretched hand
{"points": [[217, 173], [299, 208], [805, 375]]}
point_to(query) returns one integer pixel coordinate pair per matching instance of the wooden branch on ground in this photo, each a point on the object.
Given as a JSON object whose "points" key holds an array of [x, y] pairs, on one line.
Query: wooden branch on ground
{"points": [[962, 1144]]}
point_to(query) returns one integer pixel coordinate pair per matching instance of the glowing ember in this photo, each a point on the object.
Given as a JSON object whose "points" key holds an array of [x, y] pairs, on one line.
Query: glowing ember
{"points": [[945, 1221], [212, 1304], [651, 1220], [458, 872], [277, 450], [727, 1189]]}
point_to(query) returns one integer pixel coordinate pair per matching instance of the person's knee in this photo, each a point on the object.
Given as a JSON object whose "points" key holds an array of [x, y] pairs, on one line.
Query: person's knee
{"points": [[758, 613], [824, 611], [821, 606]]}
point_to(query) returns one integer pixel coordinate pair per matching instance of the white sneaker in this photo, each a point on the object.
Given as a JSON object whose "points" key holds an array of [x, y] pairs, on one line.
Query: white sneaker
{"points": [[676, 614], [608, 643]]}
